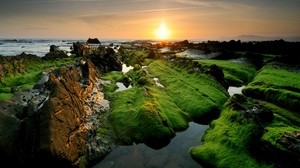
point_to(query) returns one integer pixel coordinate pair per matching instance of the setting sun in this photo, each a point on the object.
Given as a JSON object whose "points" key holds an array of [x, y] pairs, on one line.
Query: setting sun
{"points": [[162, 32]]}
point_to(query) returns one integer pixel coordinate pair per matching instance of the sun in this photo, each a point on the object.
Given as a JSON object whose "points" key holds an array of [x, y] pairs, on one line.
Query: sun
{"points": [[162, 32]]}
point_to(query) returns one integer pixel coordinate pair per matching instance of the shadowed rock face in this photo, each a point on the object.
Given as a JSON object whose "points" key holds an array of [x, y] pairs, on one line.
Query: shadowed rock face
{"points": [[251, 109], [286, 153], [53, 125], [106, 60]]}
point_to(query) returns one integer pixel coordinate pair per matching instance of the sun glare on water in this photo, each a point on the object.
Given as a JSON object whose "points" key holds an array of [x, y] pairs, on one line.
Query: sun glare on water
{"points": [[162, 32]]}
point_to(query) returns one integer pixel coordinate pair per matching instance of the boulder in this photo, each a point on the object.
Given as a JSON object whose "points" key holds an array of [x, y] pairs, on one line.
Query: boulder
{"points": [[106, 60], [54, 48], [55, 53]]}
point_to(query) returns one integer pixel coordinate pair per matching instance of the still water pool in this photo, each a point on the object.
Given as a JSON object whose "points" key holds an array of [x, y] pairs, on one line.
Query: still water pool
{"points": [[174, 155]]}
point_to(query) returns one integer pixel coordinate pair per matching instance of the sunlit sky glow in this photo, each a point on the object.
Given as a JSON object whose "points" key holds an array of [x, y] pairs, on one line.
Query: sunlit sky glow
{"points": [[138, 19]]}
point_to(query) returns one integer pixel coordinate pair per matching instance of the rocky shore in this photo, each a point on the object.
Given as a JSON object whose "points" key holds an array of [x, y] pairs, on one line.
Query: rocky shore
{"points": [[72, 116]]}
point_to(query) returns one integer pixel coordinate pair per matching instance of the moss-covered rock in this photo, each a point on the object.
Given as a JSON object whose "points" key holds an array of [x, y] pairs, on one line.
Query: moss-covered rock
{"points": [[276, 84], [196, 93], [146, 115], [236, 73], [152, 113], [234, 136], [246, 134]]}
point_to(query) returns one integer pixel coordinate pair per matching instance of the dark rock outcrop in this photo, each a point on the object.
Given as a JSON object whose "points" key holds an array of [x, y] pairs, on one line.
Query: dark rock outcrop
{"points": [[55, 125], [218, 74], [106, 60], [55, 53], [286, 151], [251, 109], [93, 41]]}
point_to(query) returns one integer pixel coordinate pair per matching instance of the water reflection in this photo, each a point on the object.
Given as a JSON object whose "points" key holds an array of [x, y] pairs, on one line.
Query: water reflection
{"points": [[235, 90], [195, 53], [175, 155], [122, 87], [126, 68]]}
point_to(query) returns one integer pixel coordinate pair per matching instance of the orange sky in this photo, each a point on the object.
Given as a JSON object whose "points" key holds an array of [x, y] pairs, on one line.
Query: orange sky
{"points": [[138, 19]]}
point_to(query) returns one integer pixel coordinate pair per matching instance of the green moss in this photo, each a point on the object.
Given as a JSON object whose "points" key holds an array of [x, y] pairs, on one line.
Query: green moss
{"points": [[140, 77], [83, 162], [141, 114], [285, 121], [132, 56], [115, 76], [196, 94], [227, 142], [217, 155], [276, 85], [21, 81], [274, 132], [284, 115], [5, 96], [236, 74]]}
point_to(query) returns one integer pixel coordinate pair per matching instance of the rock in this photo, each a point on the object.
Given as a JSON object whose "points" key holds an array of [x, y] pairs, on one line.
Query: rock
{"points": [[54, 48], [80, 49], [106, 60], [251, 109], [286, 151], [218, 74], [56, 125], [93, 41], [55, 53], [291, 141], [10, 65]]}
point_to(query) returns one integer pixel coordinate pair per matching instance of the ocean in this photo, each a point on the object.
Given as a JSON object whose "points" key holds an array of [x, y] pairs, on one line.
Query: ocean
{"points": [[39, 47]]}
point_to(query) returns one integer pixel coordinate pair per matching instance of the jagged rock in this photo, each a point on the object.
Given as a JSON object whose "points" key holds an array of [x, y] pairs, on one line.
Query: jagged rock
{"points": [[80, 49], [63, 115], [56, 125]]}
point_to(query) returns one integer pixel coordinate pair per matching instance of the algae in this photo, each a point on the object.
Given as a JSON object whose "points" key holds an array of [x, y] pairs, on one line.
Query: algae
{"points": [[195, 93], [276, 85], [236, 73], [231, 138]]}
